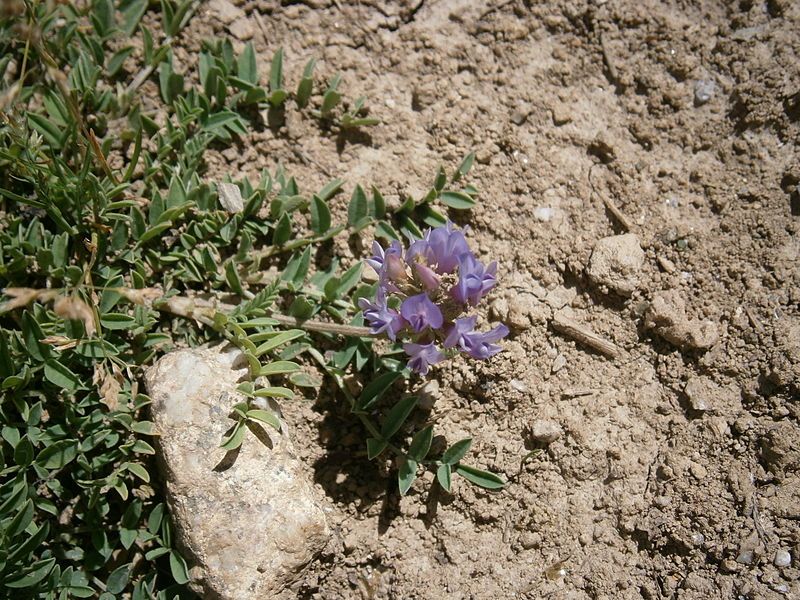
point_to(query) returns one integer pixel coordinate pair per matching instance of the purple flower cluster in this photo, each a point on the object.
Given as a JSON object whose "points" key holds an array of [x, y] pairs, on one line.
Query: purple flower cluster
{"points": [[433, 281]]}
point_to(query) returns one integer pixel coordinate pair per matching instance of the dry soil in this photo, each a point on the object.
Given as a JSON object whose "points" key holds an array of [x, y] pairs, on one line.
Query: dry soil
{"points": [[670, 471]]}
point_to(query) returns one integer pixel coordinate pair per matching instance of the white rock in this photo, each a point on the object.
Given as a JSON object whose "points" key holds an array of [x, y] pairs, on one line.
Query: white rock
{"points": [[518, 385], [247, 520], [546, 431], [616, 262], [559, 363], [543, 213], [560, 296], [242, 29], [429, 394], [230, 197], [700, 392], [667, 316], [225, 11], [782, 559]]}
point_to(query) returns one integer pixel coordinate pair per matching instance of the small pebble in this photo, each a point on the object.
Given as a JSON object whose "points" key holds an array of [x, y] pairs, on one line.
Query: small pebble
{"points": [[666, 264], [242, 29], [561, 115], [745, 558], [230, 197], [559, 363], [703, 91], [428, 394], [699, 391], [781, 588], [545, 431], [518, 385], [782, 559], [530, 540], [498, 309], [543, 213], [728, 566], [698, 471], [519, 116]]}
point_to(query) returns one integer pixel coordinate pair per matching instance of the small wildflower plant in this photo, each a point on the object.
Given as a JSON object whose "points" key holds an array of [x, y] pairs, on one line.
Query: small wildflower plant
{"points": [[423, 296], [119, 242]]}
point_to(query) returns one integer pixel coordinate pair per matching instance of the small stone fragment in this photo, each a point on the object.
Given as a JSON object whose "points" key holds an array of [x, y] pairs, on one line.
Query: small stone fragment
{"points": [[616, 262], [698, 471], [667, 317], [698, 583], [530, 540], [523, 311], [704, 395], [698, 391], [225, 11], [498, 309], [666, 264], [543, 213], [246, 519], [429, 394], [518, 385], [230, 197], [698, 539], [780, 449], [545, 431], [560, 296], [520, 115], [242, 29], [559, 363], [729, 566], [561, 115], [703, 91], [745, 558], [782, 559]]}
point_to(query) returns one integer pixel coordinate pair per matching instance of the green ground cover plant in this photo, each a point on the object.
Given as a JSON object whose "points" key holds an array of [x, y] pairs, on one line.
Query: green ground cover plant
{"points": [[104, 268]]}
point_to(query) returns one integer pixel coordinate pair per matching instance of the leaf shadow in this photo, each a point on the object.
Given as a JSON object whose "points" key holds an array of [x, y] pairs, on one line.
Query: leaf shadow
{"points": [[261, 434]]}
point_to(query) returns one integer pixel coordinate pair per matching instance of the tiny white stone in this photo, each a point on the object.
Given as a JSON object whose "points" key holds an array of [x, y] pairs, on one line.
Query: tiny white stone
{"points": [[518, 385], [782, 558], [559, 363], [543, 213], [230, 197], [545, 431]]}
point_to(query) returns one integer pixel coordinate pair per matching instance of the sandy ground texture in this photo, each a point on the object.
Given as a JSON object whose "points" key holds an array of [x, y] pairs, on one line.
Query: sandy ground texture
{"points": [[670, 471]]}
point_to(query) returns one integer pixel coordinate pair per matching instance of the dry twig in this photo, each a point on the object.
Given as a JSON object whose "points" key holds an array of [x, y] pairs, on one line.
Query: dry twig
{"points": [[584, 335]]}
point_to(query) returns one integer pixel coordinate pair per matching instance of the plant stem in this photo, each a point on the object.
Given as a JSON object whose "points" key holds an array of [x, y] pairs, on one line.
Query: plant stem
{"points": [[322, 326]]}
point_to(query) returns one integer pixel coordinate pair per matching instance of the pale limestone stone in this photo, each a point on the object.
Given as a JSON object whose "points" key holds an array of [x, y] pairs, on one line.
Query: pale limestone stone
{"points": [[616, 262], [667, 316], [546, 431], [225, 11], [230, 197], [246, 520]]}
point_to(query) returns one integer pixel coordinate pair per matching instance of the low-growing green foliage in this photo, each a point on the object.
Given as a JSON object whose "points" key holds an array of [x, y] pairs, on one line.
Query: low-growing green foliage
{"points": [[114, 249]]}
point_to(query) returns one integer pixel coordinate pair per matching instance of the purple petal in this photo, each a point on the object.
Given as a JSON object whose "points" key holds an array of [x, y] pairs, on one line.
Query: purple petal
{"points": [[420, 313], [422, 356], [481, 345], [474, 280], [381, 318], [458, 330]]}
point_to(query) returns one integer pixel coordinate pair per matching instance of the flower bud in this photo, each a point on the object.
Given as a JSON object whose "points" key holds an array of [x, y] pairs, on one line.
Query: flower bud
{"points": [[426, 276], [395, 268]]}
